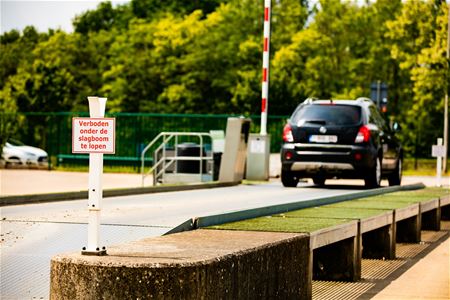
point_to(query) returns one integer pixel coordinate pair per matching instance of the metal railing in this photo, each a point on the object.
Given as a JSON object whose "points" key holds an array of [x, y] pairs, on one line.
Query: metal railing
{"points": [[163, 161], [52, 131]]}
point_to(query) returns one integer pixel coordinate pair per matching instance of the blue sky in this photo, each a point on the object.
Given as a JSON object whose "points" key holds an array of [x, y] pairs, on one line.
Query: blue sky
{"points": [[17, 14]]}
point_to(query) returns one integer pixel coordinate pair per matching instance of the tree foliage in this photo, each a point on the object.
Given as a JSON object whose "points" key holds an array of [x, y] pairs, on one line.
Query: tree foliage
{"points": [[183, 56]]}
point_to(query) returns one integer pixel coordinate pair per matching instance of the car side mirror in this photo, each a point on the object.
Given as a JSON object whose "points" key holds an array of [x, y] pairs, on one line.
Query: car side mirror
{"points": [[396, 127]]}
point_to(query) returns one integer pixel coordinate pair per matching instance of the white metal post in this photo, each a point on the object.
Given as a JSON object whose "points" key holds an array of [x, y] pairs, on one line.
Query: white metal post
{"points": [[439, 165], [265, 79], [96, 110]]}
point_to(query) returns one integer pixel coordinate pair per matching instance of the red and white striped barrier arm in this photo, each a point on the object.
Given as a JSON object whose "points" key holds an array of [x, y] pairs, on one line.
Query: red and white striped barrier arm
{"points": [[265, 71]]}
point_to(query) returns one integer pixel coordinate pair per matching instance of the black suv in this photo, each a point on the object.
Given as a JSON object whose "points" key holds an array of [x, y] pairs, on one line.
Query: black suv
{"points": [[340, 139]]}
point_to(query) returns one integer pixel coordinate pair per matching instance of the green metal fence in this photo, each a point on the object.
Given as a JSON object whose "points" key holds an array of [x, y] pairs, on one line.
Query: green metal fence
{"points": [[53, 131]]}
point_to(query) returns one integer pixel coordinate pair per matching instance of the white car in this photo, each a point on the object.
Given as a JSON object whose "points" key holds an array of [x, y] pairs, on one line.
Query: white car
{"points": [[15, 152]]}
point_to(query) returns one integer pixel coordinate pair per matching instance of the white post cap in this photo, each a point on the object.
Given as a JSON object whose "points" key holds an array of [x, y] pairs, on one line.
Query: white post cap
{"points": [[97, 107]]}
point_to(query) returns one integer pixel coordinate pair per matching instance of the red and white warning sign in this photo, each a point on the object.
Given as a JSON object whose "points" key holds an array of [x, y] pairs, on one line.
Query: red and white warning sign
{"points": [[93, 135]]}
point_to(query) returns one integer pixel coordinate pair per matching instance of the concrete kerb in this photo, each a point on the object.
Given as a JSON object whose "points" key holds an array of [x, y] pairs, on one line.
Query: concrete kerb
{"points": [[79, 195]]}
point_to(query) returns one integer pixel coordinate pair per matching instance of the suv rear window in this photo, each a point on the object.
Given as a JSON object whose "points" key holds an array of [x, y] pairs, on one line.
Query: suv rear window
{"points": [[327, 115]]}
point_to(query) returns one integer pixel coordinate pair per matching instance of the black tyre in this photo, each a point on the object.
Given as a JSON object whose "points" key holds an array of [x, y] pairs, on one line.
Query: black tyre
{"points": [[288, 179], [396, 177], [373, 179], [319, 180]]}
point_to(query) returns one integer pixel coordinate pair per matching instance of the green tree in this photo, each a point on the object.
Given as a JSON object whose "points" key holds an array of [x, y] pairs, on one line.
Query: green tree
{"points": [[190, 64], [418, 38], [316, 62], [340, 52], [8, 118], [145, 61], [288, 18], [226, 62], [15, 50], [105, 17], [149, 9], [205, 57]]}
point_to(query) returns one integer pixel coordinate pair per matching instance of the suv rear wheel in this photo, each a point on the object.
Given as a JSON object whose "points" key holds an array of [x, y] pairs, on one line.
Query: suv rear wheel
{"points": [[396, 177], [373, 179], [319, 180], [288, 179]]}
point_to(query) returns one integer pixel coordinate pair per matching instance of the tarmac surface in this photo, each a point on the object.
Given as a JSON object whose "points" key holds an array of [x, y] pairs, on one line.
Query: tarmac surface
{"points": [[428, 276], [26, 182]]}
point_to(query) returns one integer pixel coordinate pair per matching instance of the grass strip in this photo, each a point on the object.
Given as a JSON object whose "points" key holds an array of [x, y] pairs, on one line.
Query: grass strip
{"points": [[394, 200], [333, 212], [371, 204], [418, 195], [316, 218], [280, 224]]}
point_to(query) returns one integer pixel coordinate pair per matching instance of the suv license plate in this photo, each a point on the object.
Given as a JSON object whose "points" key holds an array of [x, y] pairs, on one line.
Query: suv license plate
{"points": [[323, 138]]}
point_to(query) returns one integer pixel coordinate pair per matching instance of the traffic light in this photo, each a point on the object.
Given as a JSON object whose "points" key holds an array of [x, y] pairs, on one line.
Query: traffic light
{"points": [[379, 95], [383, 105]]}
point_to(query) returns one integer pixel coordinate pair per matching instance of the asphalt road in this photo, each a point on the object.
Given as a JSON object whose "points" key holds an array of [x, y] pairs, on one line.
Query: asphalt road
{"points": [[32, 234]]}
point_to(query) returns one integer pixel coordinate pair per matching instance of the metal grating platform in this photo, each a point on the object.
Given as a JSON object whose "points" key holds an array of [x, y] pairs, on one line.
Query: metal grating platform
{"points": [[405, 250], [330, 290], [445, 225], [376, 269], [27, 247], [432, 236], [376, 273]]}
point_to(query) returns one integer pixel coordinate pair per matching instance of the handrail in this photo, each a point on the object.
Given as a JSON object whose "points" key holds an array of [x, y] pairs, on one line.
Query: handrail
{"points": [[143, 155], [167, 136]]}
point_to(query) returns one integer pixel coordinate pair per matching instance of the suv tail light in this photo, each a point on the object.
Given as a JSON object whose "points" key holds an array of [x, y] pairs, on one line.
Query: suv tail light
{"points": [[287, 134], [363, 135]]}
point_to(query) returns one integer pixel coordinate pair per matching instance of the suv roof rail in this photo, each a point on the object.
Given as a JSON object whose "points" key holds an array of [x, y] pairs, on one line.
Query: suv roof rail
{"points": [[310, 100], [363, 99]]}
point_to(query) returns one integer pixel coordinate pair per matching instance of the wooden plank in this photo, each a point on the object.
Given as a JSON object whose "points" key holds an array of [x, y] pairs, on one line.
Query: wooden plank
{"points": [[406, 212], [444, 200], [376, 222], [333, 234], [429, 205]]}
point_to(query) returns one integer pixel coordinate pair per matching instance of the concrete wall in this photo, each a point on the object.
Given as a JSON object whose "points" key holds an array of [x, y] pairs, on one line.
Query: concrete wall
{"points": [[201, 264]]}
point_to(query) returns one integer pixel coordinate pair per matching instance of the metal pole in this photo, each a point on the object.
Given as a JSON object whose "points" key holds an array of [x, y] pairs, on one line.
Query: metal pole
{"points": [[446, 94], [201, 158], [378, 94], [439, 166], [416, 152], [96, 110], [265, 79]]}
